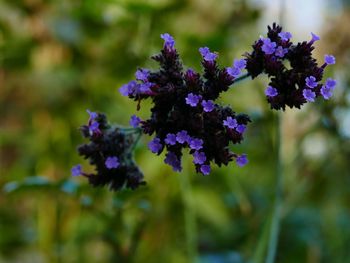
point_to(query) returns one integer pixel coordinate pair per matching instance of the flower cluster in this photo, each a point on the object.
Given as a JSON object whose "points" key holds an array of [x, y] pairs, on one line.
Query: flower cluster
{"points": [[295, 83], [184, 113], [109, 150]]}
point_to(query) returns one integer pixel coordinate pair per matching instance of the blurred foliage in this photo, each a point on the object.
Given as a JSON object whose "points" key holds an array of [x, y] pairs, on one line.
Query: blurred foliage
{"points": [[58, 58]]}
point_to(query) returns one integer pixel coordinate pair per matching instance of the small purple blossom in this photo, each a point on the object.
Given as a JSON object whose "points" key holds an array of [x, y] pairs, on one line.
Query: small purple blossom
{"points": [[205, 169], [271, 91], [230, 122], [173, 161], [93, 115], [93, 127], [233, 71], [208, 105], [112, 162], [285, 36], [146, 87], [129, 88], [196, 144], [331, 83], [76, 170], [241, 160], [309, 95], [326, 92], [142, 74], [241, 128], [170, 139], [199, 157], [192, 99], [155, 146], [329, 59], [314, 38], [207, 55], [280, 51], [182, 137], [240, 63], [268, 47], [134, 121], [311, 82], [169, 41]]}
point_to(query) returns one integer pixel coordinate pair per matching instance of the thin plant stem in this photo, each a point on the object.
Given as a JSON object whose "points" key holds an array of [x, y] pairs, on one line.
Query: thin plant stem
{"points": [[276, 217], [190, 217], [243, 77]]}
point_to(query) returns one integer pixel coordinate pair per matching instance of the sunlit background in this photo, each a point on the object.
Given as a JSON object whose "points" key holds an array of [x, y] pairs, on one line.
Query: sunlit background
{"points": [[61, 57]]}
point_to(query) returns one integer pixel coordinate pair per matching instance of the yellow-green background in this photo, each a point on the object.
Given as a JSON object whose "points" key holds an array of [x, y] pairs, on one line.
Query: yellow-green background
{"points": [[60, 57]]}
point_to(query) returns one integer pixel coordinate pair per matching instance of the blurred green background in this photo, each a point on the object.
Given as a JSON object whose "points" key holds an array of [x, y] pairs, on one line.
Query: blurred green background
{"points": [[60, 57]]}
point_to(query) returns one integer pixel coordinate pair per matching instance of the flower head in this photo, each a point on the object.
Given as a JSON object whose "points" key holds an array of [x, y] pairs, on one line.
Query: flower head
{"points": [[93, 115], [285, 36], [326, 92], [233, 71], [268, 47], [309, 95], [196, 144], [331, 83], [207, 55], [240, 63], [134, 121], [170, 139], [76, 170], [241, 160], [169, 41], [155, 146], [93, 127], [314, 38], [173, 161], [146, 87], [329, 59], [230, 122], [199, 157], [182, 137], [280, 51], [192, 99], [208, 105], [241, 128], [129, 89], [205, 169], [112, 162], [311, 82], [142, 74], [271, 91]]}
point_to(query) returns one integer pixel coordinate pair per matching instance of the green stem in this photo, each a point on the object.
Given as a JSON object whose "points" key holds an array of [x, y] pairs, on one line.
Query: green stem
{"points": [[139, 133], [190, 217], [276, 217], [243, 77]]}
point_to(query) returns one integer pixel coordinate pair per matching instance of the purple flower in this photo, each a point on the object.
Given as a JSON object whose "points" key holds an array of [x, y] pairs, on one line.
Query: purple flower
{"points": [[173, 161], [233, 71], [207, 55], [271, 91], [146, 87], [205, 169], [199, 157], [241, 160], [182, 137], [192, 99], [129, 88], [76, 170], [268, 47], [170, 139], [142, 74], [208, 105], [230, 122], [196, 144], [169, 41], [93, 115], [309, 95], [240, 63], [314, 38], [331, 83], [93, 127], [134, 121], [285, 36], [155, 146], [329, 59], [311, 82], [326, 92], [280, 51], [241, 128], [112, 162]]}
